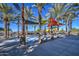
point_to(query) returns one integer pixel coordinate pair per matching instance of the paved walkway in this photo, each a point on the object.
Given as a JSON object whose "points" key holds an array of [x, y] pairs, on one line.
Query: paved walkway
{"points": [[68, 46]]}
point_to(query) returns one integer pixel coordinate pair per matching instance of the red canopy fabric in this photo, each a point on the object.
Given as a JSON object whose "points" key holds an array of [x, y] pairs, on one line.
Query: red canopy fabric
{"points": [[53, 22]]}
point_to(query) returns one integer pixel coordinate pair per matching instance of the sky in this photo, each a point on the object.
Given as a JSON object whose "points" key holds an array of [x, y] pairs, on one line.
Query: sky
{"points": [[13, 26]]}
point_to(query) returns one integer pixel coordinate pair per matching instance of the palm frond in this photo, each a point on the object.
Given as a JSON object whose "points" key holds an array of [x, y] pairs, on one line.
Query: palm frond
{"points": [[17, 6]]}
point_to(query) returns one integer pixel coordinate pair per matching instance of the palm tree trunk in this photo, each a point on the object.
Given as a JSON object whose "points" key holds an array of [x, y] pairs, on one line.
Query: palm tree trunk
{"points": [[67, 27], [23, 25], [18, 28], [34, 29], [51, 32], [26, 29], [68, 22], [8, 28], [45, 32], [27, 26], [58, 28], [5, 28], [70, 26], [39, 27]]}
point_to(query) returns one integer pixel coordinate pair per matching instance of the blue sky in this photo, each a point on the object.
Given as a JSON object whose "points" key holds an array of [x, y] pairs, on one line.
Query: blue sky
{"points": [[30, 27]]}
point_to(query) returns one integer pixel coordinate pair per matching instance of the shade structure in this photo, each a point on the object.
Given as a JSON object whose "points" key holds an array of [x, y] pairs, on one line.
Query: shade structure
{"points": [[60, 24], [31, 22], [53, 22]]}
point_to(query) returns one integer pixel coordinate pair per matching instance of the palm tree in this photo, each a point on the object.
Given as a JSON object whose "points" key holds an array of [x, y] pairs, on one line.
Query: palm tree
{"points": [[39, 6], [4, 8], [68, 17], [43, 23], [26, 14], [23, 25], [22, 40], [17, 21], [10, 20], [18, 27], [71, 16], [59, 10]]}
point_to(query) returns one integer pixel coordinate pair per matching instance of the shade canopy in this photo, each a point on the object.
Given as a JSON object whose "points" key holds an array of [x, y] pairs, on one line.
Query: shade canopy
{"points": [[31, 22], [53, 22]]}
